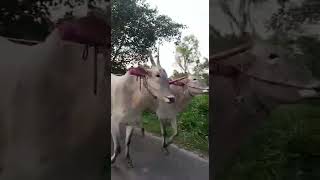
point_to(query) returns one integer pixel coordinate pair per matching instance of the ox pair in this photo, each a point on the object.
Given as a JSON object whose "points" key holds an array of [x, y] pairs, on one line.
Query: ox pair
{"points": [[133, 93]]}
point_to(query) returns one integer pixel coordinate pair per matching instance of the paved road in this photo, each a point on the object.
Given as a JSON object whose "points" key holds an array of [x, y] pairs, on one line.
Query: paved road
{"points": [[150, 163]]}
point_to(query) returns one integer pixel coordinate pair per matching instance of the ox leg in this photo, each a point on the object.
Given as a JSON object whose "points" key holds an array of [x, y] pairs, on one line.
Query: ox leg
{"points": [[129, 131], [115, 132], [142, 128], [163, 134], [175, 131]]}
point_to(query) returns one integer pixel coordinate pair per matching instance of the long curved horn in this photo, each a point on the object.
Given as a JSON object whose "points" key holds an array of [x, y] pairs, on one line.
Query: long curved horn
{"points": [[232, 52], [151, 59], [158, 58], [179, 79]]}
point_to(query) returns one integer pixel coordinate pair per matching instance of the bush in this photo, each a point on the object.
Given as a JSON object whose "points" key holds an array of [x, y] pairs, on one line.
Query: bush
{"points": [[288, 147]]}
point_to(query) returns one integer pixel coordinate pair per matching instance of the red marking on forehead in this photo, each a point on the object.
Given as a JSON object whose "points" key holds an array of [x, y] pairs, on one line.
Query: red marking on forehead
{"points": [[86, 30], [138, 71]]}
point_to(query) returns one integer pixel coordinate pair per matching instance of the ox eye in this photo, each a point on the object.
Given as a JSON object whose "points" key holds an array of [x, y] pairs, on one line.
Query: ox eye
{"points": [[158, 75], [194, 79], [273, 56]]}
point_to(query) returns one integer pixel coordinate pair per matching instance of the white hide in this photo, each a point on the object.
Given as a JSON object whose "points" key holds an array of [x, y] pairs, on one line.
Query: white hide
{"points": [[130, 96], [48, 110]]}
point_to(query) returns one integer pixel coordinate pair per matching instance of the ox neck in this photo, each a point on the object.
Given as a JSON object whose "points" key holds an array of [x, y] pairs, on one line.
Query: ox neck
{"points": [[144, 97]]}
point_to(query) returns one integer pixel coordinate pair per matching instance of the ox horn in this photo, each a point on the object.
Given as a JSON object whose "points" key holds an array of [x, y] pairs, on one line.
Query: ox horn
{"points": [[151, 59], [179, 79], [232, 52], [158, 58]]}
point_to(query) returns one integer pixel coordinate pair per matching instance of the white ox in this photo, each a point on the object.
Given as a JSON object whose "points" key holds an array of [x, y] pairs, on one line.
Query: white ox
{"points": [[184, 89], [52, 125], [131, 96]]}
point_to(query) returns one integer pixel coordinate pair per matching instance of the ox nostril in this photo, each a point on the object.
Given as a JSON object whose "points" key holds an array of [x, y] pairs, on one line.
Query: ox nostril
{"points": [[171, 99]]}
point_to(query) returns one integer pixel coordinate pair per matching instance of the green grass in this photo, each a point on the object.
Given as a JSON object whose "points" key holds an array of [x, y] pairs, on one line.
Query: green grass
{"points": [[193, 125], [287, 148]]}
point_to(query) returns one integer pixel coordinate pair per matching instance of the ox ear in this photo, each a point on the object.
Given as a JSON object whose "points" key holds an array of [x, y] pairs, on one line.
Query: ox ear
{"points": [[138, 71]]}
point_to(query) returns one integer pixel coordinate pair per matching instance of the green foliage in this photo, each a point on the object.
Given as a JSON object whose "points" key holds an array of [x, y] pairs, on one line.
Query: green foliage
{"points": [[18, 19], [309, 46], [31, 19], [202, 70], [239, 14], [287, 148], [193, 125], [290, 17], [187, 52], [194, 120], [136, 27], [177, 74]]}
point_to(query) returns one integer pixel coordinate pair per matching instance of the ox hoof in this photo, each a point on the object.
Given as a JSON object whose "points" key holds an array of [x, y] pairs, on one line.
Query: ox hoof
{"points": [[165, 151]]}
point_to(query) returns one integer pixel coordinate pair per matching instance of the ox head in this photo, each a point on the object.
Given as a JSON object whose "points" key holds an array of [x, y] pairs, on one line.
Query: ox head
{"points": [[157, 82], [196, 86], [258, 76], [193, 84], [273, 74]]}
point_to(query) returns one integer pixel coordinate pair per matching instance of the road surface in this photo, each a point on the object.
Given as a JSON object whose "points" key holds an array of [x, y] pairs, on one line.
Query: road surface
{"points": [[150, 163]]}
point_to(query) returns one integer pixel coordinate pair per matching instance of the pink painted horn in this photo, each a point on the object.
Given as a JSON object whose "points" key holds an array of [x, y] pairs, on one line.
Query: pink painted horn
{"points": [[179, 79]]}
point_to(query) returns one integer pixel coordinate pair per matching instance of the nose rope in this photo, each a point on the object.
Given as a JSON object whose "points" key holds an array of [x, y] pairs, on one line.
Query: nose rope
{"points": [[85, 52], [230, 71], [194, 87], [175, 82], [139, 78], [145, 84], [95, 65]]}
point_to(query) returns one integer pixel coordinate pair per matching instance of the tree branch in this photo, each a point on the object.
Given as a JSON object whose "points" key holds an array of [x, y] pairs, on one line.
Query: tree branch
{"points": [[119, 48]]}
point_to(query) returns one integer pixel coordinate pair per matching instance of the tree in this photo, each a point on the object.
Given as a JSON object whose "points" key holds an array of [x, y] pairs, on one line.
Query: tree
{"points": [[239, 14], [177, 74], [24, 19], [202, 70], [31, 19], [136, 28], [291, 17], [187, 53]]}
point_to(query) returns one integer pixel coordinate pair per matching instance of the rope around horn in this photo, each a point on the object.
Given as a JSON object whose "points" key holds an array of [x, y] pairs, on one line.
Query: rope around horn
{"points": [[95, 64]]}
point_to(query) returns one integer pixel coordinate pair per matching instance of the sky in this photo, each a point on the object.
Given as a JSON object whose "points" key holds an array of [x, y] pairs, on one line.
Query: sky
{"points": [[193, 14]]}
